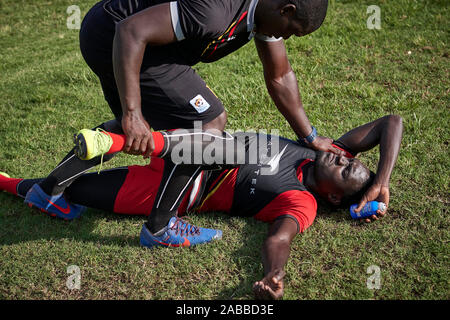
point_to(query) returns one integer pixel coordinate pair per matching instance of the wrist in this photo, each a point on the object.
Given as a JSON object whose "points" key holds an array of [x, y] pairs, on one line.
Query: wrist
{"points": [[131, 106], [381, 182], [132, 114], [309, 139], [130, 110]]}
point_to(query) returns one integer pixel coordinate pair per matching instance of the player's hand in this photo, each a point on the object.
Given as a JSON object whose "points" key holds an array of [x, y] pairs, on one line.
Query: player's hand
{"points": [[325, 144], [139, 137], [378, 193], [271, 286]]}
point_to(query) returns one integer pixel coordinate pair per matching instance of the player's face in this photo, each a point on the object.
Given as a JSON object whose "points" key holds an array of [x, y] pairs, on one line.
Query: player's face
{"points": [[293, 28], [281, 25], [338, 174]]}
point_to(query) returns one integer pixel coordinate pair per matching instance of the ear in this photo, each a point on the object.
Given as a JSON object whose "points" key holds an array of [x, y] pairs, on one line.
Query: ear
{"points": [[288, 10], [334, 199]]}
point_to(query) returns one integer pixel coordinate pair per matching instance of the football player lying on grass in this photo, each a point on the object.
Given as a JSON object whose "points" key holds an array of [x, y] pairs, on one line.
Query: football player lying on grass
{"points": [[280, 189]]}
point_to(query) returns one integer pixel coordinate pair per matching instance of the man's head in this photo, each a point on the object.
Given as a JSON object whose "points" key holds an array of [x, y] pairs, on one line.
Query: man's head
{"points": [[283, 18], [340, 179]]}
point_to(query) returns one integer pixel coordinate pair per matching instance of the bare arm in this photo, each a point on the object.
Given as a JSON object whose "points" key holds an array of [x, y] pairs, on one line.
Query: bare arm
{"points": [[282, 86], [387, 132], [275, 254], [152, 26]]}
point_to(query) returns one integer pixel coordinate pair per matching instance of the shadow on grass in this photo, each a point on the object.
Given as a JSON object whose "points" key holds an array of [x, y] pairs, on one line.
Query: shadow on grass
{"points": [[247, 255], [19, 224], [243, 237], [329, 212]]}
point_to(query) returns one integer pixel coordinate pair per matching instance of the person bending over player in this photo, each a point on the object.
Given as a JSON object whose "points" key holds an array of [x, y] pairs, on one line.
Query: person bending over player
{"points": [[143, 51], [284, 196]]}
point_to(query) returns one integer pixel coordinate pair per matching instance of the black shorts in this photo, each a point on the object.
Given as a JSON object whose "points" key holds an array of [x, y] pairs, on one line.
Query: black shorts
{"points": [[173, 95]]}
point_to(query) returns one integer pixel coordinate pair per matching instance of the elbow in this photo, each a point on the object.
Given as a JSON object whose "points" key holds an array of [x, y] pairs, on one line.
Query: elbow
{"points": [[126, 30], [396, 121], [122, 32], [122, 27]]}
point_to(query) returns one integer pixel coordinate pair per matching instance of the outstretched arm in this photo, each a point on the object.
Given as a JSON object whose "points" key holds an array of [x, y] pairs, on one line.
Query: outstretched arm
{"points": [[282, 86], [275, 254], [387, 132]]}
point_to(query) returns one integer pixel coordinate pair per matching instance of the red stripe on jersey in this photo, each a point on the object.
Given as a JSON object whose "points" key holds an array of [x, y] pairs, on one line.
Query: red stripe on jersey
{"points": [[222, 198], [347, 154], [300, 205], [218, 179], [240, 19], [299, 169], [231, 33]]}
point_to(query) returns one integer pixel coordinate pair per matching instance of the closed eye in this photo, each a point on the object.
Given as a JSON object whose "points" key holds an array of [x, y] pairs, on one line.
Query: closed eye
{"points": [[347, 169]]}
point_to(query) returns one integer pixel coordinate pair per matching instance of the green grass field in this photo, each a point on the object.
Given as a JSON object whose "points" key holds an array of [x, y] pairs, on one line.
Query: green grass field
{"points": [[348, 75]]}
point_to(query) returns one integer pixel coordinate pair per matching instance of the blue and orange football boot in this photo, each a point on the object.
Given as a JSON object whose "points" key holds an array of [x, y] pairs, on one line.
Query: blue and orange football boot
{"points": [[55, 206], [179, 233]]}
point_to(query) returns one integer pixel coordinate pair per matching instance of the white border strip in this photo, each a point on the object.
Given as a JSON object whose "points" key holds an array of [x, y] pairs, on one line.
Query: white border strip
{"points": [[176, 21]]}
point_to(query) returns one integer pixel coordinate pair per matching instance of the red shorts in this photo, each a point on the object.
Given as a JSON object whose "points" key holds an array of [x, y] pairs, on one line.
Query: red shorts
{"points": [[138, 192]]}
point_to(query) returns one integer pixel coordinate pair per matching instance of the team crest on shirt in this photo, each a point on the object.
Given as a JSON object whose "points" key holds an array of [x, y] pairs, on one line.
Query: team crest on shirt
{"points": [[199, 103]]}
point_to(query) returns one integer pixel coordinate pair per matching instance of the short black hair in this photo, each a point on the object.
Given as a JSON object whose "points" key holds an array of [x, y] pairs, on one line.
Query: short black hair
{"points": [[355, 197], [310, 13]]}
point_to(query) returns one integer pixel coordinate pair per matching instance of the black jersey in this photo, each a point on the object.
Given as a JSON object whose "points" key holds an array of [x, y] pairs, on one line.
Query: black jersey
{"points": [[268, 186], [275, 173], [212, 29], [207, 30]]}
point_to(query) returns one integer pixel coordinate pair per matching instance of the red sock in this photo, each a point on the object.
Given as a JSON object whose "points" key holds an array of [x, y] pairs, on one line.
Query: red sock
{"points": [[9, 184], [120, 139], [118, 142]]}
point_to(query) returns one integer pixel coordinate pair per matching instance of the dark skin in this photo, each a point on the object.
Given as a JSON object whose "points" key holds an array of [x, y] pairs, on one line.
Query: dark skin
{"points": [[342, 174], [153, 27], [148, 27]]}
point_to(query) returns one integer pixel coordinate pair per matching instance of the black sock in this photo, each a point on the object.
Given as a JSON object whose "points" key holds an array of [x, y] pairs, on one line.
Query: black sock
{"points": [[67, 171], [97, 191], [174, 185]]}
